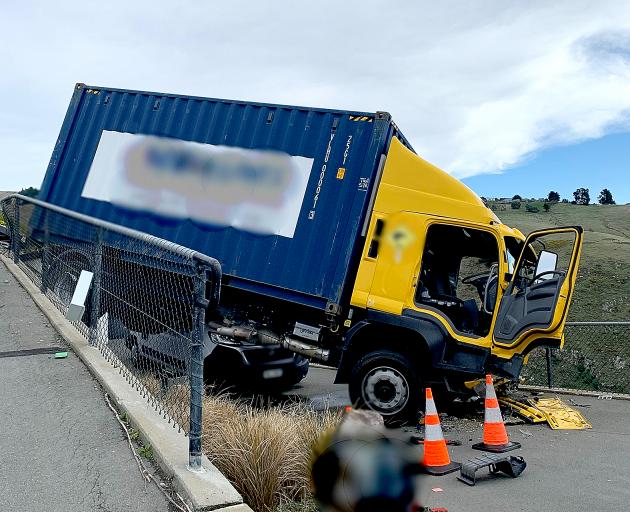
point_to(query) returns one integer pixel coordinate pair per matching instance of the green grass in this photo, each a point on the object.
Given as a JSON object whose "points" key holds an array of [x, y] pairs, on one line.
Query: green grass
{"points": [[134, 434], [146, 451]]}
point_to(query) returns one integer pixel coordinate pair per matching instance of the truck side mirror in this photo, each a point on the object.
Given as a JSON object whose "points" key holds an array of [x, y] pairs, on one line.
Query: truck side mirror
{"points": [[547, 262]]}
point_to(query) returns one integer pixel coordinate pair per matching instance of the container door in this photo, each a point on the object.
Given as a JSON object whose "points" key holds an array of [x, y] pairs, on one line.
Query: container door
{"points": [[536, 302]]}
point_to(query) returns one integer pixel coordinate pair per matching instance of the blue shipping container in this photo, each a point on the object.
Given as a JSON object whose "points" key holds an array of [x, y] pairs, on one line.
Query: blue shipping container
{"points": [[307, 255]]}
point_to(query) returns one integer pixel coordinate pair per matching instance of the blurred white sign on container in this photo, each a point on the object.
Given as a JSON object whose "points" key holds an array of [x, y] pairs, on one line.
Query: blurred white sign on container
{"points": [[260, 191]]}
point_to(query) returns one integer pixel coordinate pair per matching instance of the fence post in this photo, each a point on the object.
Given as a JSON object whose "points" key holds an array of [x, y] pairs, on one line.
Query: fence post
{"points": [[196, 368], [16, 232], [45, 251], [96, 287], [549, 371]]}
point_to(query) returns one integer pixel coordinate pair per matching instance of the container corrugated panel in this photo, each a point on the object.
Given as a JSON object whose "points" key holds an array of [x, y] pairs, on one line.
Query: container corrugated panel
{"points": [[314, 266]]}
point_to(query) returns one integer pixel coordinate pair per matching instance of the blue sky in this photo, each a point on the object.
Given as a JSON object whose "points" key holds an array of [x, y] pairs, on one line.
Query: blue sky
{"points": [[594, 164]]}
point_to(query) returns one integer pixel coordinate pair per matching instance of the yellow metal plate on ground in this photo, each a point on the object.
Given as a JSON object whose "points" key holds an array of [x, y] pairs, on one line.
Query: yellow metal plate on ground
{"points": [[524, 409], [559, 415]]}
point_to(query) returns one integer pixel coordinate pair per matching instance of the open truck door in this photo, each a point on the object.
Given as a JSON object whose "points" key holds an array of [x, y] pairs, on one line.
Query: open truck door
{"points": [[534, 307]]}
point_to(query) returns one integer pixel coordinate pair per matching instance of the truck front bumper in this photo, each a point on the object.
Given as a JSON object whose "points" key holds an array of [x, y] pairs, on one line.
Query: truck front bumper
{"points": [[255, 366]]}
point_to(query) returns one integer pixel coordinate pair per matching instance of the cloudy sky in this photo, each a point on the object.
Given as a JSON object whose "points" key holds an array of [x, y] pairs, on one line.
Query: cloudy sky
{"points": [[479, 88]]}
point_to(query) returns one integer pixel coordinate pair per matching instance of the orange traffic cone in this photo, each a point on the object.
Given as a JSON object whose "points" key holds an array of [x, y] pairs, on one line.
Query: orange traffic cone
{"points": [[495, 438], [436, 460]]}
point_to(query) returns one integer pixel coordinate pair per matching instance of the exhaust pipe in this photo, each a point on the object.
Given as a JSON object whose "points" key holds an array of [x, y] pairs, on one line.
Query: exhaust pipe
{"points": [[305, 349], [238, 332], [266, 337], [299, 347]]}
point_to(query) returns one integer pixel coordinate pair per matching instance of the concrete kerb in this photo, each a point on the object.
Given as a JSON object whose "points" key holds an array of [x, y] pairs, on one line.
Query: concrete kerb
{"points": [[577, 392], [205, 490]]}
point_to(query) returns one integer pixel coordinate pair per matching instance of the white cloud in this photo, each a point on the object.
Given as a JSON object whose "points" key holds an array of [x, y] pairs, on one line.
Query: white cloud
{"points": [[475, 88]]}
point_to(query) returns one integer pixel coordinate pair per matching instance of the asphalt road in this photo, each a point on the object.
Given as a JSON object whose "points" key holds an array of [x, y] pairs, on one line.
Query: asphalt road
{"points": [[566, 469], [61, 449]]}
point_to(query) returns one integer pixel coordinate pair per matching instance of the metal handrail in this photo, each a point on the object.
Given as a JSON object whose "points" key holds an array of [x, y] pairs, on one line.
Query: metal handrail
{"points": [[133, 233]]}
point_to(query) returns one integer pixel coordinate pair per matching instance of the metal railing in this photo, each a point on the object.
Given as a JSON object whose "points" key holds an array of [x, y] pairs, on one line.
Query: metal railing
{"points": [[595, 357], [146, 306]]}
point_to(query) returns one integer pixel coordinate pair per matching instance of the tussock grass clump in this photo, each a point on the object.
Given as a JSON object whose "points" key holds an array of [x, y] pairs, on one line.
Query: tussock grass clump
{"points": [[264, 451]]}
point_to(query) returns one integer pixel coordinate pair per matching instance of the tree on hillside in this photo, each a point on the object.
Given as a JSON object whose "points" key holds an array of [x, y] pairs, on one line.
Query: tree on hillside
{"points": [[515, 205], [516, 197], [553, 196], [546, 206], [582, 196], [605, 197], [29, 192]]}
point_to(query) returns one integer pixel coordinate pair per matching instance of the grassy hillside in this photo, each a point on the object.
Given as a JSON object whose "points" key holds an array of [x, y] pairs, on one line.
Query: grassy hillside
{"points": [[603, 288]]}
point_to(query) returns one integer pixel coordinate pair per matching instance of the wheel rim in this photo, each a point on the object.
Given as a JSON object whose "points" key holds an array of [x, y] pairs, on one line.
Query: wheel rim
{"points": [[64, 287], [385, 390]]}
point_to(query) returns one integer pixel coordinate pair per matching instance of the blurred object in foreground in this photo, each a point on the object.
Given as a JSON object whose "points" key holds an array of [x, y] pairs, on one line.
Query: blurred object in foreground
{"points": [[361, 468]]}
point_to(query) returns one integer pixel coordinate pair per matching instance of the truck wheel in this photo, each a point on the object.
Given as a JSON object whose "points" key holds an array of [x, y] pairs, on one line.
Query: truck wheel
{"points": [[386, 382]]}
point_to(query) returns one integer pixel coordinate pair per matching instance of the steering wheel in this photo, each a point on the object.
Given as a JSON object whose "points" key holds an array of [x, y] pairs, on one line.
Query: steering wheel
{"points": [[475, 277], [547, 272]]}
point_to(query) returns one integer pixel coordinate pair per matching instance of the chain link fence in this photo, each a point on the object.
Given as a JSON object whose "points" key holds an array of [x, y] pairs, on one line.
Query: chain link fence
{"points": [[146, 306], [595, 357]]}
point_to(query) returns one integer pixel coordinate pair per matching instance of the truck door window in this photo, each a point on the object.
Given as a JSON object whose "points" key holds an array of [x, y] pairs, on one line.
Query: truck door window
{"points": [[531, 300], [455, 269], [545, 258]]}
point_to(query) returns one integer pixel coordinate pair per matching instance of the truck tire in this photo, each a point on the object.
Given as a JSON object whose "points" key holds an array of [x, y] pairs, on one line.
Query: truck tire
{"points": [[386, 382]]}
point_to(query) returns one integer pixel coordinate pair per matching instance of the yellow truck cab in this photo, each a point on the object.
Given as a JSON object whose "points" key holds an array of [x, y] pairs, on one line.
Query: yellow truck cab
{"points": [[446, 291]]}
